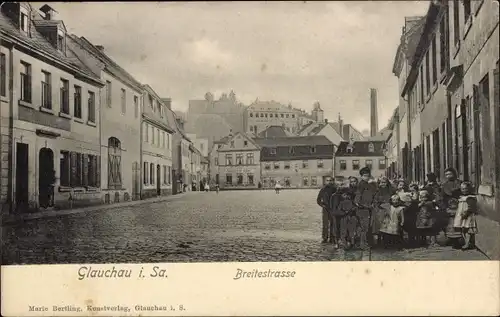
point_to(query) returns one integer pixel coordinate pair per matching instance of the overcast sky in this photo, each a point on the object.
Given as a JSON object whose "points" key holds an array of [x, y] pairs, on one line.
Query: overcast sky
{"points": [[331, 52]]}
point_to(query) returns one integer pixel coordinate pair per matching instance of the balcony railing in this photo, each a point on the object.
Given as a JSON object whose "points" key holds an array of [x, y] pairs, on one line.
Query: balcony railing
{"points": [[46, 96], [26, 88]]}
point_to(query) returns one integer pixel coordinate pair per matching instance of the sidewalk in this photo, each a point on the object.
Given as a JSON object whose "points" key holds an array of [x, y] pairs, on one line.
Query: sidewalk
{"points": [[488, 238], [14, 218]]}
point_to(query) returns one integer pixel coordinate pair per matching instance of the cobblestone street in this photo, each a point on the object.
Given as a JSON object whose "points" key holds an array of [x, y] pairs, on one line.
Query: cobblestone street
{"points": [[199, 227]]}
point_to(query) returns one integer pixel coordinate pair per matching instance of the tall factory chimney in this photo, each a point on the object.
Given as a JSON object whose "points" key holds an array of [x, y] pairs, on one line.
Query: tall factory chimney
{"points": [[373, 112]]}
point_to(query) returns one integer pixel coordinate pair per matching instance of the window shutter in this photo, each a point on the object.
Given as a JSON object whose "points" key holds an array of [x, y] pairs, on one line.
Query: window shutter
{"points": [[118, 174], [111, 179], [73, 169], [97, 169], [85, 173]]}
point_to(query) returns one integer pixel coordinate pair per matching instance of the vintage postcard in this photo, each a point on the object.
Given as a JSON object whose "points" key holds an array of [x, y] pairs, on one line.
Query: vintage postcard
{"points": [[250, 158]]}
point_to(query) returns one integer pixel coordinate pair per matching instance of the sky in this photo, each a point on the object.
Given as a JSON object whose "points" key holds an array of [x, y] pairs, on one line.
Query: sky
{"points": [[290, 52]]}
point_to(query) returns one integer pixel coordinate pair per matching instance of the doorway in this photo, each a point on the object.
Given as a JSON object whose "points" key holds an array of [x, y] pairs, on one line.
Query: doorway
{"points": [[46, 178], [22, 178], [158, 180]]}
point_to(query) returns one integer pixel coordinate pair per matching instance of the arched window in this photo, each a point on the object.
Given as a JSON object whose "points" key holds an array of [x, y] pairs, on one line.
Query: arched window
{"points": [[114, 163], [371, 147]]}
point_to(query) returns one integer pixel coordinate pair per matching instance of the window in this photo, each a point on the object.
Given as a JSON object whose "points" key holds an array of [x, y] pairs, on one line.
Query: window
{"points": [[456, 22], [286, 165], [305, 181], [381, 164], [250, 159], [314, 181], [355, 165], [229, 159], [282, 115], [369, 164], [287, 115], [229, 179], [422, 95], [232, 144], [427, 75], [466, 10], [108, 93], [76, 169], [276, 165], [92, 168], [267, 166], [251, 115], [169, 174], [216, 161], [91, 107], [158, 106], [46, 91], [239, 178], [428, 152], [371, 148], [152, 135], [273, 151], [293, 116], [245, 143], [444, 34], [434, 60], [64, 169], [60, 42], [305, 164], [343, 165], [291, 150], [261, 115], [145, 173], [124, 101], [313, 149], [114, 163], [239, 159], [151, 173], [3, 76], [266, 115], [136, 106], [151, 104], [250, 179], [320, 164], [255, 129], [77, 101], [64, 96], [165, 178], [24, 21]]}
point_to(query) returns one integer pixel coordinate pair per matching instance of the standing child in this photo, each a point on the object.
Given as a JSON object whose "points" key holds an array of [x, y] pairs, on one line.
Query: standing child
{"points": [[393, 223], [453, 229], [410, 200], [346, 220], [426, 219], [467, 209], [381, 205]]}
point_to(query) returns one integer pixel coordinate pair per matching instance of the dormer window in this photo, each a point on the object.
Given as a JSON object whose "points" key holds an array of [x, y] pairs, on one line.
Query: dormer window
{"points": [[291, 150], [24, 19], [60, 41], [313, 149], [349, 149], [371, 148], [273, 151], [232, 144]]}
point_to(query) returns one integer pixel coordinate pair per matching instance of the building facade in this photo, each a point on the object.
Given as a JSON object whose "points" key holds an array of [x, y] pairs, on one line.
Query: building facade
{"points": [[296, 162], [263, 114], [121, 112], [351, 157], [50, 115], [236, 162], [156, 147]]}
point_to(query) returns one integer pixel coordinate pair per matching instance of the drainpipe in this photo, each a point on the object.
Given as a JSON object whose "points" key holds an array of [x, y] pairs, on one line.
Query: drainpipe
{"points": [[141, 181]]}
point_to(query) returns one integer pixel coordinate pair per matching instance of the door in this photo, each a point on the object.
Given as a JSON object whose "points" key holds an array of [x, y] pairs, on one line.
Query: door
{"points": [[135, 181], [158, 180], [22, 179], [46, 177]]}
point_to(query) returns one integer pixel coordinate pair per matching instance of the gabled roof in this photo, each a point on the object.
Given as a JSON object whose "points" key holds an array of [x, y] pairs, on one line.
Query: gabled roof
{"points": [[361, 148], [274, 131], [226, 139], [110, 65], [306, 126], [37, 43], [293, 141]]}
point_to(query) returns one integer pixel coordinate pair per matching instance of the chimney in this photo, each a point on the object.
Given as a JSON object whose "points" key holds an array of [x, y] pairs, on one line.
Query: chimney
{"points": [[49, 12], [373, 112], [230, 132], [167, 102], [100, 48]]}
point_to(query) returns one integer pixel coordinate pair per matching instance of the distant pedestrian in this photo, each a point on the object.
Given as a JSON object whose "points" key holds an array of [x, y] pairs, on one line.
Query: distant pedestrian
{"points": [[323, 200], [259, 186], [207, 187], [217, 187], [277, 187], [467, 208]]}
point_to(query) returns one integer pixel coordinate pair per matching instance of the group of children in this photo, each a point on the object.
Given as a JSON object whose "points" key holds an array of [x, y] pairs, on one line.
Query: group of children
{"points": [[411, 216]]}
